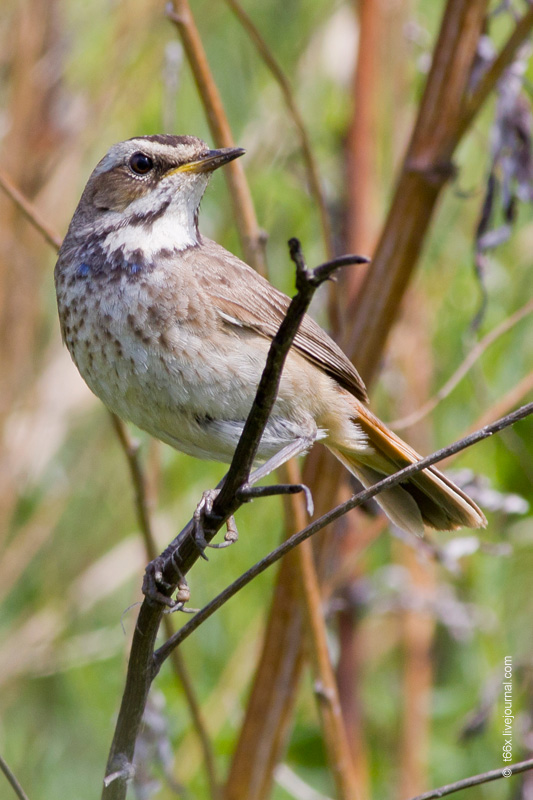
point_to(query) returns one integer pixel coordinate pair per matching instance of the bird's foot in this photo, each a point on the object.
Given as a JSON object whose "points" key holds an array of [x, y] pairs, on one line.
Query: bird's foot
{"points": [[154, 587], [204, 510]]}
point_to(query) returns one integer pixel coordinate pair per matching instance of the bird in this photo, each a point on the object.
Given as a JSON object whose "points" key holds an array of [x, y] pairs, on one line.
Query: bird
{"points": [[171, 331]]}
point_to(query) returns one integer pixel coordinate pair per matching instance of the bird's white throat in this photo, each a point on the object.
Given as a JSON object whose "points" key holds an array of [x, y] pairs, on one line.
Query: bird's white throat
{"points": [[176, 228]]}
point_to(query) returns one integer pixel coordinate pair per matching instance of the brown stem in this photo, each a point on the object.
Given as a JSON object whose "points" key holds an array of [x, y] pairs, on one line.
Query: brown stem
{"points": [[361, 155], [474, 355], [426, 170], [265, 729], [476, 780], [445, 114], [252, 238], [138, 479], [325, 684], [29, 211]]}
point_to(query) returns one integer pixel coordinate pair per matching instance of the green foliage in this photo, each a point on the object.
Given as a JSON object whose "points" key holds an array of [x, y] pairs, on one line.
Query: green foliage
{"points": [[67, 620]]}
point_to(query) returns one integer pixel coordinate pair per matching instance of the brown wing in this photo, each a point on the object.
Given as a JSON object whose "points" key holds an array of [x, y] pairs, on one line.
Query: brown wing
{"points": [[244, 296]]}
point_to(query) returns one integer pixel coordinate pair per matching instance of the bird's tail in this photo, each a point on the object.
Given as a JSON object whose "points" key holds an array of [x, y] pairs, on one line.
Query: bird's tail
{"points": [[427, 498]]}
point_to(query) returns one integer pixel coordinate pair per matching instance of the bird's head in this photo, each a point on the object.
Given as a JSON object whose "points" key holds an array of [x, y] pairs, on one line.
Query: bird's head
{"points": [[153, 184]]}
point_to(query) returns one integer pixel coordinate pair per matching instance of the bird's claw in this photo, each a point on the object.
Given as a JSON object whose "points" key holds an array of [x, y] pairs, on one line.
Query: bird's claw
{"points": [[204, 509], [154, 587]]}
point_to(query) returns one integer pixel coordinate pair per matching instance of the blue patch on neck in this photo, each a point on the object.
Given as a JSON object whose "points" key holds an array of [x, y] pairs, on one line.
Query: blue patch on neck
{"points": [[97, 261], [83, 270]]}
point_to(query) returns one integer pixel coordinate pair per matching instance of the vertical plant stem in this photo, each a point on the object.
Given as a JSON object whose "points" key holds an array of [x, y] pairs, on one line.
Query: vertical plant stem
{"points": [[362, 218], [325, 684], [142, 506], [283, 82], [426, 170], [252, 238]]}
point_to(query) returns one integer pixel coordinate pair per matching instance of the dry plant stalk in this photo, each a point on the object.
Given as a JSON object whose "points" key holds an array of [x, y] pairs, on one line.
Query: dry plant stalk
{"points": [[444, 116], [335, 738], [252, 238], [313, 174], [451, 4], [466, 365]]}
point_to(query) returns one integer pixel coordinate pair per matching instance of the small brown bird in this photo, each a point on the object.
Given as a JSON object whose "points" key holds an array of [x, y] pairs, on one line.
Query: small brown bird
{"points": [[171, 331]]}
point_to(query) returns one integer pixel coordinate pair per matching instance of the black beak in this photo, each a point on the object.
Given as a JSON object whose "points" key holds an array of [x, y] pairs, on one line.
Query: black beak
{"points": [[212, 159]]}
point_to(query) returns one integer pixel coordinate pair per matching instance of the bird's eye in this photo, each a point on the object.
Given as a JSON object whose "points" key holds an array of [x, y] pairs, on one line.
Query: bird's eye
{"points": [[140, 163]]}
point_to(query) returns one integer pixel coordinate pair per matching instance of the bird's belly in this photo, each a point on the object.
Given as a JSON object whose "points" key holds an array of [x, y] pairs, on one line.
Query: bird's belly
{"points": [[191, 399]]}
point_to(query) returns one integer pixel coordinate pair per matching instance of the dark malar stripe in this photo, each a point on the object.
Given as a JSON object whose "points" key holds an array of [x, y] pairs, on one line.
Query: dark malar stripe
{"points": [[148, 218]]}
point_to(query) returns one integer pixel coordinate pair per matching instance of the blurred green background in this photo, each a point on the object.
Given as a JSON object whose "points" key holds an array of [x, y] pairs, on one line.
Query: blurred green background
{"points": [[74, 78]]}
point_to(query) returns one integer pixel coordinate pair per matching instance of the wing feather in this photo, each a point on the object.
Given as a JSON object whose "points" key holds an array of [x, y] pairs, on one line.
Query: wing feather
{"points": [[246, 299]]}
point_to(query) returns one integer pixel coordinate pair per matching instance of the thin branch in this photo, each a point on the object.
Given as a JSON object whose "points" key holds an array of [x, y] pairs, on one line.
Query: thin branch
{"points": [[183, 673], [357, 500], [13, 782], [474, 355], [29, 211], [252, 238], [476, 780], [326, 690], [182, 552], [177, 559], [283, 82], [511, 398], [131, 451], [306, 284], [493, 74]]}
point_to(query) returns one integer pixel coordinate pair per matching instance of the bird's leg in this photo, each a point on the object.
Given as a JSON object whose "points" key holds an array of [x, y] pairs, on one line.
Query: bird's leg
{"points": [[154, 587], [291, 450], [248, 491]]}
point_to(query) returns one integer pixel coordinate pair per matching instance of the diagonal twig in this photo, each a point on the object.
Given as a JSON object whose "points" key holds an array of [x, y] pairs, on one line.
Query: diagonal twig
{"points": [[476, 780], [252, 238], [183, 552], [29, 211], [466, 365], [490, 78], [12, 780], [313, 176], [357, 500]]}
